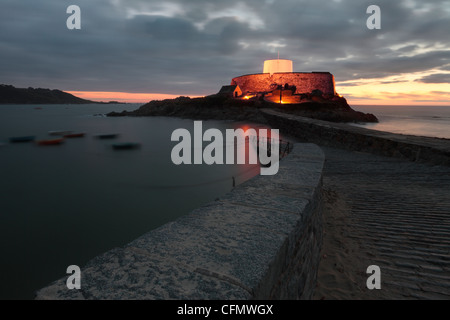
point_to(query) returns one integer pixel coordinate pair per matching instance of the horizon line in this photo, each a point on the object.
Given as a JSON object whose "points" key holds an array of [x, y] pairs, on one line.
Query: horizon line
{"points": [[129, 97]]}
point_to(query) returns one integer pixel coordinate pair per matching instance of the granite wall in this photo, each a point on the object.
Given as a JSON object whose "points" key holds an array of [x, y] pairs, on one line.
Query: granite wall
{"points": [[304, 82], [260, 241], [345, 136]]}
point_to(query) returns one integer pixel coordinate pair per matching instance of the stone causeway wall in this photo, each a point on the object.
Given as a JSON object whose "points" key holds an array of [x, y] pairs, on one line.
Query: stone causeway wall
{"points": [[304, 82], [260, 241], [344, 136]]}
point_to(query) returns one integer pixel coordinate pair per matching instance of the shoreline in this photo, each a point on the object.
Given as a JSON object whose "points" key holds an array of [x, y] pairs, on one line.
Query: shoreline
{"points": [[232, 110]]}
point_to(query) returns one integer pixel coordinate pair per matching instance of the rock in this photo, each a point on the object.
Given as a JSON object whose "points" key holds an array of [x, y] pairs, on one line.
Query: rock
{"points": [[216, 107], [118, 114]]}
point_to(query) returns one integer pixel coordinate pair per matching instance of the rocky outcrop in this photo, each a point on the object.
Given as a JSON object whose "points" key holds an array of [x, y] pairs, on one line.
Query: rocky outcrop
{"points": [[336, 109], [218, 107], [211, 107]]}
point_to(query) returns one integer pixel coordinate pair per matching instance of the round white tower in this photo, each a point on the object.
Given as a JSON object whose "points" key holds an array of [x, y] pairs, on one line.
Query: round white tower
{"points": [[277, 66]]}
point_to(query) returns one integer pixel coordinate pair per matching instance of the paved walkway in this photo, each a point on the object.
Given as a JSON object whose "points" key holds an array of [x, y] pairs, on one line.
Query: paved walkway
{"points": [[386, 212]]}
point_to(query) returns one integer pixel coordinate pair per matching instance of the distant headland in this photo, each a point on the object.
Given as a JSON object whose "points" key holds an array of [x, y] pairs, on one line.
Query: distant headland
{"points": [[12, 95], [306, 94]]}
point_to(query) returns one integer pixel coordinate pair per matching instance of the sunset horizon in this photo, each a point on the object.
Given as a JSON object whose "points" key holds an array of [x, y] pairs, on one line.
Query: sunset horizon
{"points": [[131, 97]]}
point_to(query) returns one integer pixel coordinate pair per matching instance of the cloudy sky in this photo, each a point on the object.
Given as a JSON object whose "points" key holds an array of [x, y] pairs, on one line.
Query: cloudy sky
{"points": [[193, 47]]}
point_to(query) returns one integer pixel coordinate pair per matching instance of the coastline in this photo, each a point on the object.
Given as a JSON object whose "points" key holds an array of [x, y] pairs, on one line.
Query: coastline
{"points": [[308, 122]]}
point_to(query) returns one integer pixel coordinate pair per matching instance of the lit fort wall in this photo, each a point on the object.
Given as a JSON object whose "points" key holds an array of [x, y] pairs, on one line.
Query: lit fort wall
{"points": [[279, 72]]}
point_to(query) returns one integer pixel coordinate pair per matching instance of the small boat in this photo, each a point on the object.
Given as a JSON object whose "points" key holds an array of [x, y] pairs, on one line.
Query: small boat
{"points": [[107, 136], [21, 139], [59, 133], [74, 135], [38, 108], [126, 146], [50, 142]]}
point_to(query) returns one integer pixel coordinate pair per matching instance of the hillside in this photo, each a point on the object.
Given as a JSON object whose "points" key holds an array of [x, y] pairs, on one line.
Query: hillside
{"points": [[11, 95]]}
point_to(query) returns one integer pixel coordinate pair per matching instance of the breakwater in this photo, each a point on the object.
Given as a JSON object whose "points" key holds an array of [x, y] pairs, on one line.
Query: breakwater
{"points": [[260, 241], [344, 136]]}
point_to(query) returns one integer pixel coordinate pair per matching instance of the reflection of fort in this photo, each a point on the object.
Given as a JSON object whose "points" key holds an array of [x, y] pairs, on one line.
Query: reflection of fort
{"points": [[278, 83]]}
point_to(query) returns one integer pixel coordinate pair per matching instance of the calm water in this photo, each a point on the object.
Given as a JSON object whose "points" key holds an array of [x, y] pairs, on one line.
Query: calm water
{"points": [[63, 205], [430, 121]]}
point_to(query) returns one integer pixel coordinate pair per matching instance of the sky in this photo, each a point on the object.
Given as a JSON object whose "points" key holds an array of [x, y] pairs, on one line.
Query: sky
{"points": [[138, 50]]}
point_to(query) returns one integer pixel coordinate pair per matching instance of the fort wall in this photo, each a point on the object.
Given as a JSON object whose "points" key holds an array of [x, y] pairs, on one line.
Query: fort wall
{"points": [[304, 82]]}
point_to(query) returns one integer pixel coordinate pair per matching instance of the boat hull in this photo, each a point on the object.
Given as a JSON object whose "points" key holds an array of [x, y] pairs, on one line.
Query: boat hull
{"points": [[51, 142], [22, 139], [74, 135], [126, 146], [107, 136]]}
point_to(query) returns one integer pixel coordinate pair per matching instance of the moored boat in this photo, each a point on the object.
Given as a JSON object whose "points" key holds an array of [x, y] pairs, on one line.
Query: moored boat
{"points": [[50, 142], [74, 135], [59, 133], [107, 136], [126, 146], [22, 139]]}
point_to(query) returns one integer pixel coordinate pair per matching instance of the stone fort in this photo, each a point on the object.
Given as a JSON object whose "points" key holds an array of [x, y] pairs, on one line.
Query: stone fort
{"points": [[278, 75]]}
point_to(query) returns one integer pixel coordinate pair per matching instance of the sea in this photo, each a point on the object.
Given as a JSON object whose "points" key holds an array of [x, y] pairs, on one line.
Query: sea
{"points": [[63, 205], [428, 121]]}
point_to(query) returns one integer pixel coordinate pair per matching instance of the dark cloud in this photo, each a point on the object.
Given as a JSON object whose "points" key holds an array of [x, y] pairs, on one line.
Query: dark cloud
{"points": [[351, 84], [195, 46], [445, 93], [436, 78], [432, 100], [355, 97]]}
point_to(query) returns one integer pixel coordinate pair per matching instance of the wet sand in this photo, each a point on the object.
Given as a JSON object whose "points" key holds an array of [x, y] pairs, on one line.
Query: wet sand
{"points": [[386, 212]]}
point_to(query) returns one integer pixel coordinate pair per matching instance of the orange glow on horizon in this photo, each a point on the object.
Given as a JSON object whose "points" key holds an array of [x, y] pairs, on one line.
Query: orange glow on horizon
{"points": [[125, 97], [395, 90], [403, 89]]}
